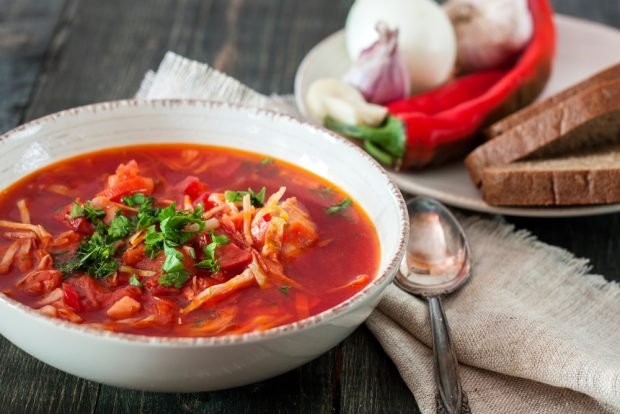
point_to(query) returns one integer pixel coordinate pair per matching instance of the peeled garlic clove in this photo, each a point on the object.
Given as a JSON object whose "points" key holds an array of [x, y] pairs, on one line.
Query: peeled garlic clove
{"points": [[341, 101], [372, 115], [340, 110]]}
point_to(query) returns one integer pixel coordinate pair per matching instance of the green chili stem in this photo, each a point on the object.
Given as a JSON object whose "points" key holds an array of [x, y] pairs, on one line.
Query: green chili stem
{"points": [[383, 143], [381, 156]]}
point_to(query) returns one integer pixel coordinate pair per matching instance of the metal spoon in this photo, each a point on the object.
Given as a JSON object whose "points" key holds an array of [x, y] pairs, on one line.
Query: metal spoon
{"points": [[437, 263]]}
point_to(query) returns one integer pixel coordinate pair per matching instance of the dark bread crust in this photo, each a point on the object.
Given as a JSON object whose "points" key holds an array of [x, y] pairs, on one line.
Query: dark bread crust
{"points": [[586, 119], [505, 187], [517, 118]]}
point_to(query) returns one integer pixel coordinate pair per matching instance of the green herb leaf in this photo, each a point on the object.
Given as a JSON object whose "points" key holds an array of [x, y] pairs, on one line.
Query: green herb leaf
{"points": [[167, 212], [233, 196], [153, 241], [257, 199], [120, 227], [179, 226], [147, 214], [94, 256], [175, 275], [68, 267], [176, 279], [339, 208], [135, 200], [133, 281], [284, 289], [219, 239], [210, 262], [87, 210], [76, 210], [266, 161], [174, 260]]}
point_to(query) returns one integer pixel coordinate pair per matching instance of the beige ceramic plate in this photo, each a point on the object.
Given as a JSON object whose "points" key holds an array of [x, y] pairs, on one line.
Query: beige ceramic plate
{"points": [[583, 49]]}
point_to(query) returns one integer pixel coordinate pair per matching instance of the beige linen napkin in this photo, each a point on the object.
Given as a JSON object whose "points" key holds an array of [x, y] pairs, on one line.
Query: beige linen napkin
{"points": [[534, 332]]}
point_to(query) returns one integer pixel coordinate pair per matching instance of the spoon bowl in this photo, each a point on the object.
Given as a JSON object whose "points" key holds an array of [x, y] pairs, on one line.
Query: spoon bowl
{"points": [[437, 262]]}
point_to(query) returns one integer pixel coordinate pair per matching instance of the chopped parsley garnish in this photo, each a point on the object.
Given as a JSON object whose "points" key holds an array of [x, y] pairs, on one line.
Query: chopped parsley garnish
{"points": [[175, 275], [175, 229], [339, 208], [153, 241], [167, 229], [180, 226], [219, 239], [266, 161], [284, 289], [135, 200], [95, 256], [87, 210], [210, 262], [147, 214], [120, 227], [133, 281], [257, 199]]}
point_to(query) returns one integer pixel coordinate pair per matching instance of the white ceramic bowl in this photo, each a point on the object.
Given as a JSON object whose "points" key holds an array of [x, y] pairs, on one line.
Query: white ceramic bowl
{"points": [[199, 364]]}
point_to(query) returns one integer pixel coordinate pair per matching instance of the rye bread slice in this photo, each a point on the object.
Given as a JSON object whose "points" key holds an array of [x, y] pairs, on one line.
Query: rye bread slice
{"points": [[588, 119], [592, 178], [509, 122]]}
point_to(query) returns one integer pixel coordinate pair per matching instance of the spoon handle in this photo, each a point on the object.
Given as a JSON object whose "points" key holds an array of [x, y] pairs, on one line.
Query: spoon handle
{"points": [[446, 364]]}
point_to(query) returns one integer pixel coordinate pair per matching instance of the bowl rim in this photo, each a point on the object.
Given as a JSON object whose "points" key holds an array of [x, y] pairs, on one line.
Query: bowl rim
{"points": [[223, 340]]}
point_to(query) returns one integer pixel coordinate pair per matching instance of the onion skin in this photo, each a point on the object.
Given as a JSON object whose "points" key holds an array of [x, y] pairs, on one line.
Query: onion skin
{"points": [[381, 73]]}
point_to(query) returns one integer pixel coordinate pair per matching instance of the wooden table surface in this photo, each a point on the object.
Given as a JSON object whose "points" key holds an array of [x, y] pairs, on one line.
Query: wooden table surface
{"points": [[56, 54]]}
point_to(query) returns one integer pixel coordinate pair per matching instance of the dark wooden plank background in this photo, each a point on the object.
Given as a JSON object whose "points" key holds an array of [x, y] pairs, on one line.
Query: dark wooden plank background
{"points": [[55, 54]]}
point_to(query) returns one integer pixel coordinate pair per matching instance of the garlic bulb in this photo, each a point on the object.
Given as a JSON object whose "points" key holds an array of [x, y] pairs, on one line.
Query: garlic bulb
{"points": [[380, 72], [489, 32], [344, 103]]}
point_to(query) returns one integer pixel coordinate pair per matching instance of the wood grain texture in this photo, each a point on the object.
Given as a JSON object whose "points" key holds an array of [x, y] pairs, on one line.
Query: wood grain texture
{"points": [[304, 390], [113, 43], [30, 386], [367, 372], [25, 31], [100, 51]]}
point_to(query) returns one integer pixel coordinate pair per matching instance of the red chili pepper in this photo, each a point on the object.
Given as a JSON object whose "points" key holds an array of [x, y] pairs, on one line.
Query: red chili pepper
{"points": [[442, 123]]}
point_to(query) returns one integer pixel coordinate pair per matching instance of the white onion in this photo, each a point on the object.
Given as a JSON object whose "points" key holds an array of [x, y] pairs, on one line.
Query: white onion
{"points": [[426, 36]]}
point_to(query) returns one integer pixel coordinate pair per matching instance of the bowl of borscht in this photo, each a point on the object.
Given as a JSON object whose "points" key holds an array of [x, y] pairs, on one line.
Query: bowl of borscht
{"points": [[181, 245]]}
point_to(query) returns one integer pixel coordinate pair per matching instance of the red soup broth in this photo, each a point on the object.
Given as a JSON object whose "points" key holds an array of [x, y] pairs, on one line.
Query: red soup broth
{"points": [[327, 251]]}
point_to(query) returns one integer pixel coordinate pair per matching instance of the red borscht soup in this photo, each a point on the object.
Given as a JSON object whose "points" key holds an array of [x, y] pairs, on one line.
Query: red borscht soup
{"points": [[181, 240]]}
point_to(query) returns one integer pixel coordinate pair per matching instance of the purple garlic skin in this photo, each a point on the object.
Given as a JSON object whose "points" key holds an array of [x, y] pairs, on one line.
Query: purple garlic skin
{"points": [[380, 73]]}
